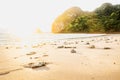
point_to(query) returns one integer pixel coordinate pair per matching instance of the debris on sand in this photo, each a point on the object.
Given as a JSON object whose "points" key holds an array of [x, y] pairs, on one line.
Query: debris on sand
{"points": [[31, 53], [45, 55], [87, 43], [82, 41], [116, 40], [36, 57], [60, 47], [69, 47], [73, 51], [18, 47], [15, 57], [76, 42], [35, 65], [106, 48], [92, 40], [92, 46], [114, 63], [93, 78], [6, 47], [30, 57]]}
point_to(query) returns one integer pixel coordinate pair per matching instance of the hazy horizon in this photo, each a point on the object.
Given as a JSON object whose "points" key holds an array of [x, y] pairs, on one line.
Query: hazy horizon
{"points": [[25, 16]]}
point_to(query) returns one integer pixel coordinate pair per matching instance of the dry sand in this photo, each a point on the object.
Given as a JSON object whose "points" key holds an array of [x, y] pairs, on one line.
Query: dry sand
{"points": [[85, 63]]}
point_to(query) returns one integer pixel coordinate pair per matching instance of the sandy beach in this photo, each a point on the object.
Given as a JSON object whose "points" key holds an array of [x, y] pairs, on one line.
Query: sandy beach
{"points": [[94, 58]]}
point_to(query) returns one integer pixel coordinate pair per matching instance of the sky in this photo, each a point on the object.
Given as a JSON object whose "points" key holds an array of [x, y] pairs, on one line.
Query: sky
{"points": [[24, 16]]}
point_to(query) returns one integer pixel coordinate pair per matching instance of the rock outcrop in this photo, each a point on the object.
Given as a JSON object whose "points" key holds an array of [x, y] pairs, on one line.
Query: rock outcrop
{"points": [[64, 19]]}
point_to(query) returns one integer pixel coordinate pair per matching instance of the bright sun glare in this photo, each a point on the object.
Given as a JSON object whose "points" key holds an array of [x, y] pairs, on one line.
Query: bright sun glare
{"points": [[24, 32]]}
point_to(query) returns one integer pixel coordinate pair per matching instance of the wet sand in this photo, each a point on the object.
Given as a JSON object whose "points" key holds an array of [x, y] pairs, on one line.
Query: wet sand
{"points": [[85, 62]]}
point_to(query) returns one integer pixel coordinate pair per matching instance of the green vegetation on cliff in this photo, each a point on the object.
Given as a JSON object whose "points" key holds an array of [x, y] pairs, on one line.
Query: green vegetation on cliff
{"points": [[106, 19]]}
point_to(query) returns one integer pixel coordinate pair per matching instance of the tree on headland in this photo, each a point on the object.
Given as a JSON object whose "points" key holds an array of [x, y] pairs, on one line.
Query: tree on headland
{"points": [[109, 16]]}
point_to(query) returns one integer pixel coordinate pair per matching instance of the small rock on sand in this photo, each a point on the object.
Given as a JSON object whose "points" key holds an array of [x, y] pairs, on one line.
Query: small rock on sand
{"points": [[35, 65], [6, 47], [92, 46], [114, 63], [87, 43], [31, 53], [116, 40], [92, 78], [82, 41], [45, 55], [69, 47], [30, 57], [36, 57], [15, 57], [18, 47], [73, 51], [60, 47]]}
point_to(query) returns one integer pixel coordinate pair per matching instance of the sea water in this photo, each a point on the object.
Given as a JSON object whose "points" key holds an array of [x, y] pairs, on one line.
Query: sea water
{"points": [[9, 39]]}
